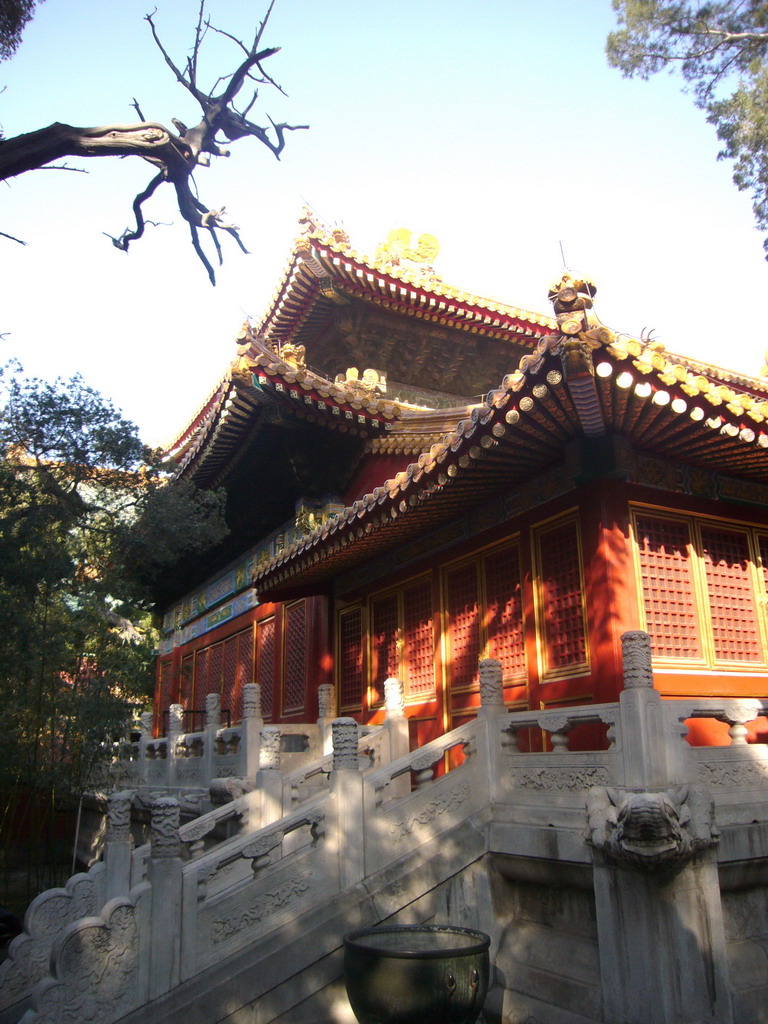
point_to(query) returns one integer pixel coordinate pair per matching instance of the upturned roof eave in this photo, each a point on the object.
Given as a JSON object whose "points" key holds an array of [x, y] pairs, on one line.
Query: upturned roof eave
{"points": [[726, 429]]}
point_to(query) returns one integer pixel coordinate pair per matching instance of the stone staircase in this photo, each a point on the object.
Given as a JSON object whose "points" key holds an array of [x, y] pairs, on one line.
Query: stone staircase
{"points": [[625, 884]]}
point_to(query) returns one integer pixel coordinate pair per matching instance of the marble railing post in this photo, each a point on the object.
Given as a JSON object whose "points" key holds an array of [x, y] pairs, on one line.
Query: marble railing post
{"points": [[212, 726], [145, 737], [326, 707], [492, 707], [250, 743], [644, 739], [398, 738], [118, 845], [491, 688], [269, 778], [346, 786], [657, 895], [175, 729], [165, 877]]}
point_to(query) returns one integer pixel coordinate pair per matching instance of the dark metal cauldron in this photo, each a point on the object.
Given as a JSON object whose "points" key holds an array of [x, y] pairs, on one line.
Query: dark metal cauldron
{"points": [[416, 974]]}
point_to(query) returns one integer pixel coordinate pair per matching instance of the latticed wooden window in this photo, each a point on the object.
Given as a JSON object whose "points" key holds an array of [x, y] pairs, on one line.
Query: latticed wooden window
{"points": [[244, 669], [265, 664], [187, 685], [166, 676], [669, 595], [732, 605], [562, 597], [295, 657], [418, 640], [463, 625], [202, 659], [504, 610], [215, 668], [229, 675], [351, 658], [384, 637], [762, 543]]}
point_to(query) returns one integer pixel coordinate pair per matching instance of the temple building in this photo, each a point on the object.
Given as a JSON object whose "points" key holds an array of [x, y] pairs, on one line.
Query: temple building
{"points": [[417, 478]]}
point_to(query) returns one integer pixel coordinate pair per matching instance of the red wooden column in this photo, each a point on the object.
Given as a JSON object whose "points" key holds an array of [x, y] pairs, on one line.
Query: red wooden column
{"points": [[611, 589]]}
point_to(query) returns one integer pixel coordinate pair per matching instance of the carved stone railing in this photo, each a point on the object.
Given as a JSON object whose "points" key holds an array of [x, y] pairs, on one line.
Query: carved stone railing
{"points": [[234, 891], [193, 760], [274, 791], [407, 803]]}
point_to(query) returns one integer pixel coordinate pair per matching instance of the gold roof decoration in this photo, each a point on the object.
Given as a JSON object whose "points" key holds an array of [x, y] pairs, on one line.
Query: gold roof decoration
{"points": [[397, 251], [291, 354], [571, 296], [371, 382]]}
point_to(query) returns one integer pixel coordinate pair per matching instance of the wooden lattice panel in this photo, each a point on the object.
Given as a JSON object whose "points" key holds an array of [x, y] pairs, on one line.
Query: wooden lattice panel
{"points": [[229, 675], [244, 669], [351, 658], [187, 683], [265, 665], [669, 596], [295, 657], [461, 605], [762, 542], [166, 675], [384, 636], [201, 676], [215, 668], [732, 606], [562, 597], [418, 639], [504, 611]]}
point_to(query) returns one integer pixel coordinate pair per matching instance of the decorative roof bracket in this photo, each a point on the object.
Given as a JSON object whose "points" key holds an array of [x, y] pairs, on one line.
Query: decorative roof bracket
{"points": [[580, 333]]}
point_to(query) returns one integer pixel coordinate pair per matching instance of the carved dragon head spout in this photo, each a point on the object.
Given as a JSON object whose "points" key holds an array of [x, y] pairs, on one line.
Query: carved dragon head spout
{"points": [[652, 830], [649, 830]]}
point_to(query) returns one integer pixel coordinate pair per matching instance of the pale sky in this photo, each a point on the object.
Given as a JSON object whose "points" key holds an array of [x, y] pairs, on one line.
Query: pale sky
{"points": [[495, 125]]}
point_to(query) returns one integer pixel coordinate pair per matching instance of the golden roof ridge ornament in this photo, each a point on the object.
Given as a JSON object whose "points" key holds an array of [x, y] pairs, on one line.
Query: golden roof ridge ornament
{"points": [[398, 253]]}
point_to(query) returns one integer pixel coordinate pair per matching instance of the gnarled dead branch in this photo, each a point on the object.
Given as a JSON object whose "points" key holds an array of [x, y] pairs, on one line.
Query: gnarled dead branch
{"points": [[175, 154]]}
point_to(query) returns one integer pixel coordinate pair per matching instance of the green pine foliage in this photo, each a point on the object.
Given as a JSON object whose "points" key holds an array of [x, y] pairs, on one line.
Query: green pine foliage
{"points": [[721, 52], [87, 525], [14, 15]]}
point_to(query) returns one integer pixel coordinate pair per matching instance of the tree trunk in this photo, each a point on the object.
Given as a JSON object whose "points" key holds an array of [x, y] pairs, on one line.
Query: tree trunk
{"points": [[36, 149]]}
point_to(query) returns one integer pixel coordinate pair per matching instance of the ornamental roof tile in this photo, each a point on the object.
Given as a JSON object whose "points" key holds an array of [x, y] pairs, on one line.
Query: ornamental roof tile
{"points": [[666, 405], [228, 416], [322, 263]]}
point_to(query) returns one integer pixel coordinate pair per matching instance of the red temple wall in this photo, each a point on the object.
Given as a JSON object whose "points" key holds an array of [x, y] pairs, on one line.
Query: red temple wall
{"points": [[549, 593]]}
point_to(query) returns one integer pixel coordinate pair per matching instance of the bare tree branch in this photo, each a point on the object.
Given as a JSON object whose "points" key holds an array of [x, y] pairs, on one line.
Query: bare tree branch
{"points": [[175, 154], [11, 238]]}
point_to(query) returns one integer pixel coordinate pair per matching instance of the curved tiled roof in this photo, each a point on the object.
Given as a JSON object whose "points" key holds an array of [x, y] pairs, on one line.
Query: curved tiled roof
{"points": [[323, 263], [228, 416], [662, 404]]}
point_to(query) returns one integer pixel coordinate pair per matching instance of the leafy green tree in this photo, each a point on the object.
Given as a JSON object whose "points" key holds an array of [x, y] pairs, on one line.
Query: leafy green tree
{"points": [[87, 525], [721, 51], [14, 15]]}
